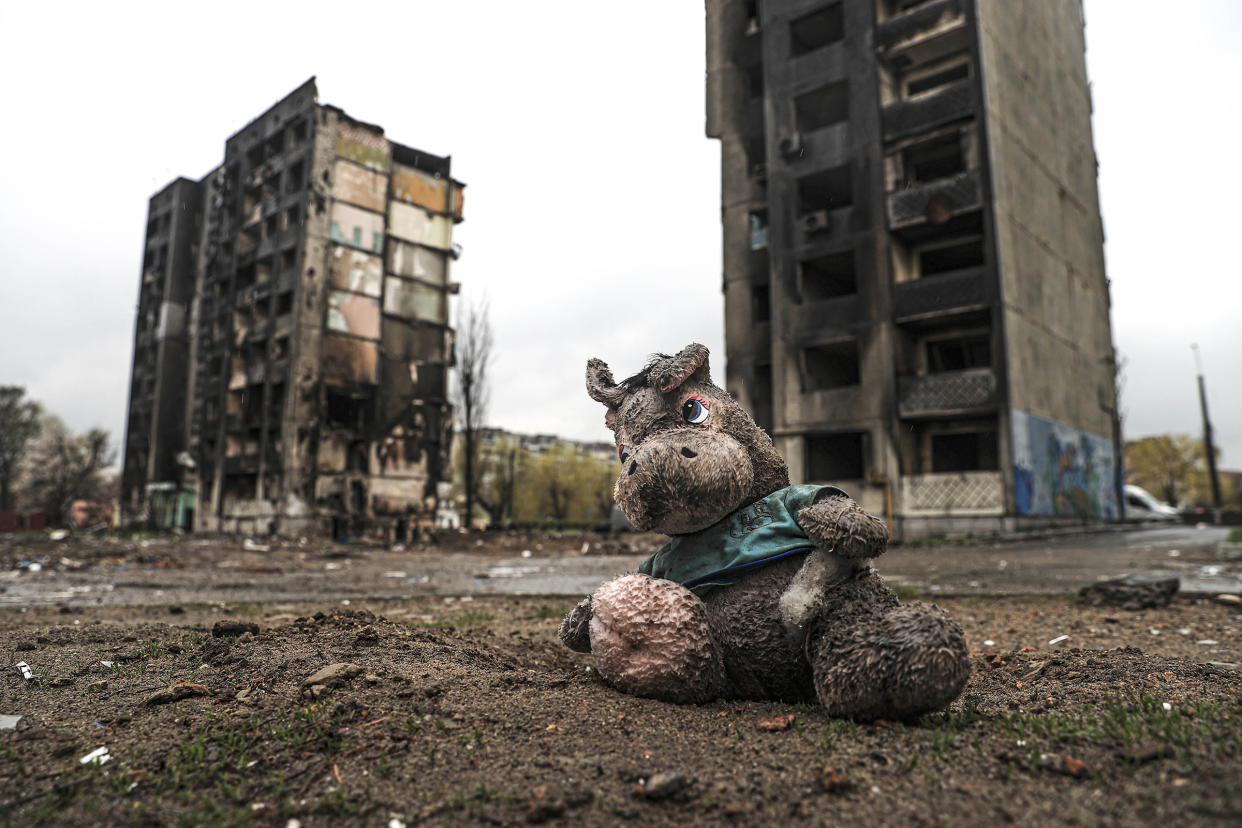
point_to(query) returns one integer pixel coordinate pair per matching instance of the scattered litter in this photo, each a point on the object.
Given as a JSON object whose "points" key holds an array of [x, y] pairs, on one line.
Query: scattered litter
{"points": [[108, 663], [34, 567], [1175, 553], [254, 546], [252, 763], [400, 547], [331, 565], [1184, 630], [465, 599], [1207, 642], [392, 823], [100, 726], [586, 547], [1002, 564], [1153, 631], [1059, 639], [394, 573], [59, 534], [1228, 598], [1167, 707], [776, 722], [345, 602], [1210, 571], [294, 823], [8, 722], [418, 579], [96, 757], [25, 670], [526, 553], [989, 643]]}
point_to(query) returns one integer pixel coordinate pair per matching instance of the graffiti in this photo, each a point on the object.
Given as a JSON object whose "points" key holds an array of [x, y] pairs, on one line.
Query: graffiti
{"points": [[1059, 470]]}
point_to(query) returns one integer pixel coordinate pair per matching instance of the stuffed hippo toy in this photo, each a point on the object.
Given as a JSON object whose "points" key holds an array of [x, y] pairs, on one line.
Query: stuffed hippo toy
{"points": [[764, 591]]}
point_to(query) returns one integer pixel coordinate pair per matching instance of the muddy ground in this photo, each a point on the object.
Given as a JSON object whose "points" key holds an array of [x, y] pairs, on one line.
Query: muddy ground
{"points": [[442, 710]]}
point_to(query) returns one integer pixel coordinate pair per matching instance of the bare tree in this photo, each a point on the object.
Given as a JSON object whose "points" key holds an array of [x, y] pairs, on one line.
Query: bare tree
{"points": [[19, 424], [472, 390]]}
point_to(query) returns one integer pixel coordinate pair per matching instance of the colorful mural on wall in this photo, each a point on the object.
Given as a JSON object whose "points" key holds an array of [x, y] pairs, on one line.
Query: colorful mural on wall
{"points": [[1059, 470]]}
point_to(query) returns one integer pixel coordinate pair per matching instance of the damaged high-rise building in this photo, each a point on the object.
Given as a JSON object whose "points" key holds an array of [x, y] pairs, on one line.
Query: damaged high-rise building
{"points": [[292, 343], [916, 304]]}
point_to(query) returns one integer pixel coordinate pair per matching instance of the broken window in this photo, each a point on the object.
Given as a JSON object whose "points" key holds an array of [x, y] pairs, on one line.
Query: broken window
{"points": [[297, 131], [830, 366], [834, 457], [293, 218], [752, 17], [284, 303], [760, 304], [288, 259], [346, 410], [825, 190], [816, 30], [271, 227], [822, 107], [967, 451], [960, 353], [294, 177], [828, 277], [756, 155], [754, 81], [933, 79], [758, 229], [946, 258], [938, 158]]}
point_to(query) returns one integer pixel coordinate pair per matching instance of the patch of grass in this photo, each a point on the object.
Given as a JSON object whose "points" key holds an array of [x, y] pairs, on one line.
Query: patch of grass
{"points": [[1234, 536], [471, 618], [905, 592], [543, 612]]}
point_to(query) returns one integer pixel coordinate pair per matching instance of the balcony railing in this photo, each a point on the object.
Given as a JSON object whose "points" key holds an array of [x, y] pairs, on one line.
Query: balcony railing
{"points": [[953, 493], [922, 113], [950, 392], [935, 201], [932, 296]]}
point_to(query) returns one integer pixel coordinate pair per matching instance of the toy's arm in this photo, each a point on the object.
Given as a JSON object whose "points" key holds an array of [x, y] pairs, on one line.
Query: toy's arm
{"points": [[834, 522], [844, 536], [575, 630]]}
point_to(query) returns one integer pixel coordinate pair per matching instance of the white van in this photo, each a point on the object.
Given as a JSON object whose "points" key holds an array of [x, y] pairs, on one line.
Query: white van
{"points": [[1143, 505]]}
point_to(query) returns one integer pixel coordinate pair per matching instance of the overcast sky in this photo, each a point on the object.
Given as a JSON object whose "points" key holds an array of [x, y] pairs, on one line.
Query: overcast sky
{"points": [[592, 206]]}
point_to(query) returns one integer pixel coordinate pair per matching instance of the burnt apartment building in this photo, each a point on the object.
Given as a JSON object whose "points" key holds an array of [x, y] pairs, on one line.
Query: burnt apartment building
{"points": [[916, 306], [292, 343]]}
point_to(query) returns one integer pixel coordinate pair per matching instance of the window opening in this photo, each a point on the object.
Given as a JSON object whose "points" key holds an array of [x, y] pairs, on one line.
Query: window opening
{"points": [[834, 456], [830, 366], [826, 190], [828, 277], [761, 306], [969, 451], [816, 30], [948, 258], [822, 107], [935, 80], [932, 160], [959, 354]]}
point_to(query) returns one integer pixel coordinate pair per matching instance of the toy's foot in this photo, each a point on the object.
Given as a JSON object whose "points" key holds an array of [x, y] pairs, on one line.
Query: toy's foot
{"points": [[650, 638], [910, 661]]}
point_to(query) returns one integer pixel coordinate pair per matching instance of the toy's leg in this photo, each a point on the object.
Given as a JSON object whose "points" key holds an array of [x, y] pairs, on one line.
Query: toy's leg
{"points": [[650, 638], [911, 660]]}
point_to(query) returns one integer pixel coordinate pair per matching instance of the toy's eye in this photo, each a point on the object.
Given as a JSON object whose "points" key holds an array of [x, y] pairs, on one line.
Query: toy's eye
{"points": [[695, 410]]}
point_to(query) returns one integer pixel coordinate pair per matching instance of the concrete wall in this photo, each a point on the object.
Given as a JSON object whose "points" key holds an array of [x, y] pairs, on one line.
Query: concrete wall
{"points": [[1049, 241]]}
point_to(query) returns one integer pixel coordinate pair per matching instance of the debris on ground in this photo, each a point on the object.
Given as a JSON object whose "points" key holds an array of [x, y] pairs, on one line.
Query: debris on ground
{"points": [[1132, 592]]}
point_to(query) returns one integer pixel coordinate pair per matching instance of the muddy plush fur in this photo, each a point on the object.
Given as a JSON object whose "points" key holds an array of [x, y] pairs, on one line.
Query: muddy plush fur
{"points": [[819, 626]]}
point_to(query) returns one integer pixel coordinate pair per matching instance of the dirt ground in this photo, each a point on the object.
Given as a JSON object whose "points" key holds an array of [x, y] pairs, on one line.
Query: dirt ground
{"points": [[457, 711]]}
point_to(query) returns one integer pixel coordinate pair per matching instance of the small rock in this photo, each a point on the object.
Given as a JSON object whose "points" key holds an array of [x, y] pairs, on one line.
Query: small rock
{"points": [[176, 691], [245, 638], [26, 646], [544, 805], [367, 637], [1229, 598], [332, 675], [663, 785], [371, 678], [776, 723], [98, 686], [247, 696], [61, 682], [1133, 592], [833, 780], [175, 609], [234, 628]]}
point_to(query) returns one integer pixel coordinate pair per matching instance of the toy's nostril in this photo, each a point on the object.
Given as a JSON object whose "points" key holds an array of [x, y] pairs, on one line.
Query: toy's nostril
{"points": [[633, 467], [685, 452]]}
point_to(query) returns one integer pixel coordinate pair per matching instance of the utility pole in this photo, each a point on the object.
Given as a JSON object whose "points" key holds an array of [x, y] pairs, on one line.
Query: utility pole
{"points": [[1207, 438]]}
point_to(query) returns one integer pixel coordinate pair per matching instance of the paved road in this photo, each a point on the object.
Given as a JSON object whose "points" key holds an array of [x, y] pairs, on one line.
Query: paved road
{"points": [[1048, 566]]}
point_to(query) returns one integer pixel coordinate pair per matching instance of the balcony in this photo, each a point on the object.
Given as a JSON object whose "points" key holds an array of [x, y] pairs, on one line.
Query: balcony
{"points": [[827, 319], [924, 33], [947, 394], [935, 202], [908, 117], [942, 295], [953, 493]]}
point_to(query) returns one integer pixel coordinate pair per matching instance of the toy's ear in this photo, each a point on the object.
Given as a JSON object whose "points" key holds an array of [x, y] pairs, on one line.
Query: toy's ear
{"points": [[601, 386], [671, 373]]}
